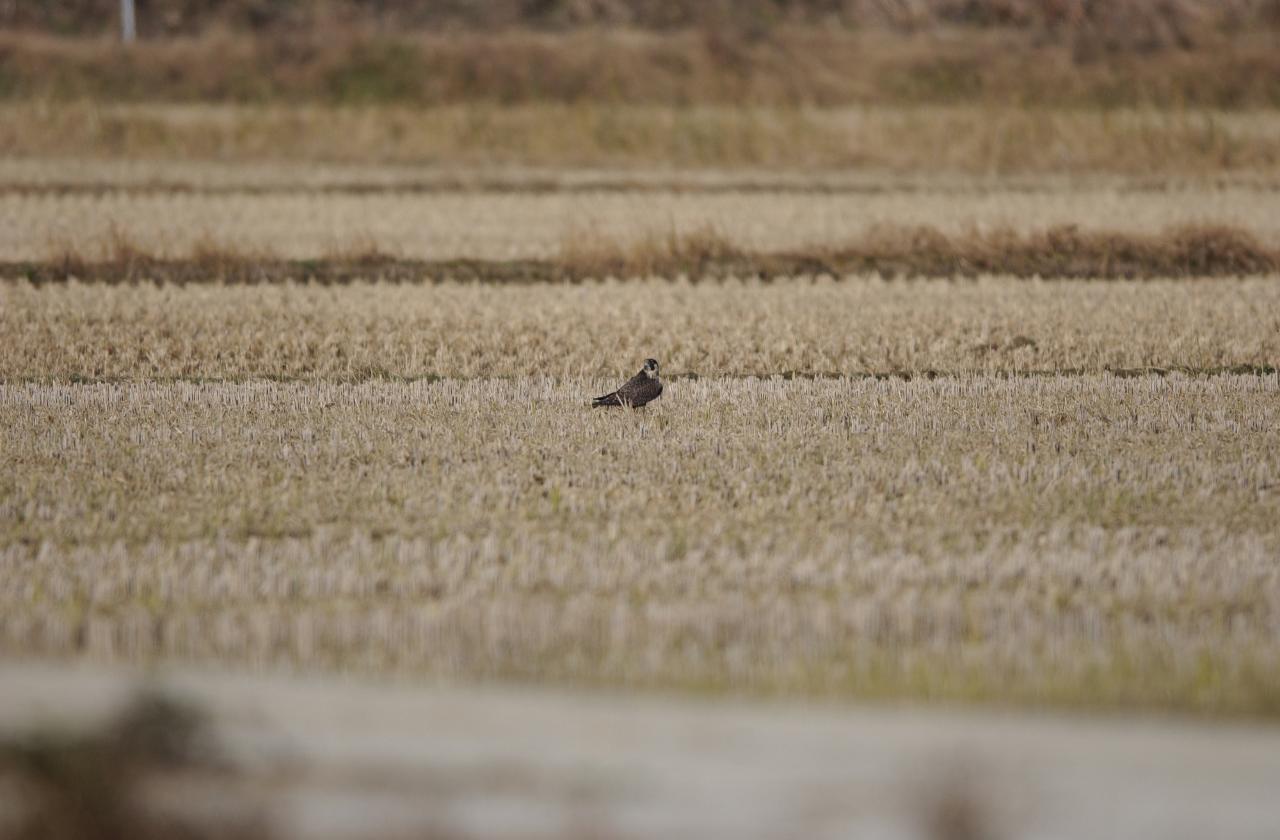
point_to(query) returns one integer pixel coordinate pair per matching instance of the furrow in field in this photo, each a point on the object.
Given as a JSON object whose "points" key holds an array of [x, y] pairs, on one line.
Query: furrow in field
{"points": [[94, 177]]}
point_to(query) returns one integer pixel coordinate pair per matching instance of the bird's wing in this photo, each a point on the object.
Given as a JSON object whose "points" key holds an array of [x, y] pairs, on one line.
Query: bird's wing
{"points": [[640, 390], [633, 386], [627, 387]]}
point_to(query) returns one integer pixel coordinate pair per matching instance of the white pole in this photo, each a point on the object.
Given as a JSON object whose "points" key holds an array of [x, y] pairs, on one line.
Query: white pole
{"points": [[128, 27]]}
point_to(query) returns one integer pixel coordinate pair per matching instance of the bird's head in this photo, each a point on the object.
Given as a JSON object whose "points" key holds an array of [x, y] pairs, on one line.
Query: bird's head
{"points": [[650, 368]]}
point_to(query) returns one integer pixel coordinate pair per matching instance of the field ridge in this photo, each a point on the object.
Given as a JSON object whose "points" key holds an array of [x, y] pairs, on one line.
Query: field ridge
{"points": [[552, 183], [1153, 371], [1059, 252]]}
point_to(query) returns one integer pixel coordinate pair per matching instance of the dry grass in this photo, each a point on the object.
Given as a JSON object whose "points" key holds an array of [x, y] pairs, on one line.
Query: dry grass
{"points": [[101, 177], [1131, 24], [1059, 253], [939, 492], [1062, 252], [975, 139], [723, 66], [987, 227], [79, 332], [585, 254], [1091, 541]]}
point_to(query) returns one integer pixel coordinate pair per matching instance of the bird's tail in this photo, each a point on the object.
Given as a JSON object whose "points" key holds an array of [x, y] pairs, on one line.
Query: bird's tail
{"points": [[607, 399]]}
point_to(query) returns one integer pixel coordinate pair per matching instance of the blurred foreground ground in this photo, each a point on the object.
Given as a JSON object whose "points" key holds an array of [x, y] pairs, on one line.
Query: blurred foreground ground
{"points": [[346, 759]]}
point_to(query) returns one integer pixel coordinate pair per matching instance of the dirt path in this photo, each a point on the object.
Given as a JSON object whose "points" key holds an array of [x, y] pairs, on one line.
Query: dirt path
{"points": [[344, 759]]}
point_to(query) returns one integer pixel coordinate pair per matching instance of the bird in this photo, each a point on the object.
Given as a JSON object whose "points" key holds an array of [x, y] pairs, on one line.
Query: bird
{"points": [[641, 389]]}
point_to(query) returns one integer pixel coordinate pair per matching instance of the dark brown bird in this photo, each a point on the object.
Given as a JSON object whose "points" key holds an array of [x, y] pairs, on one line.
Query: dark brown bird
{"points": [[643, 388]]}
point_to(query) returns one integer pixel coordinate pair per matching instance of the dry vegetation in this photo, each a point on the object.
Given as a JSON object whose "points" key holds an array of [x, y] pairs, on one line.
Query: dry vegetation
{"points": [[1135, 24], [1046, 52], [812, 66], [858, 327], [1191, 229], [983, 139], [1062, 253], [1087, 540], [97, 177], [936, 490], [1067, 538], [230, 431]]}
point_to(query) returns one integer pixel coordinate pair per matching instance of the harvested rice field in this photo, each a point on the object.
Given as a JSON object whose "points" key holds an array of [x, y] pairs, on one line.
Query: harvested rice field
{"points": [[1075, 540], [958, 515], [505, 222], [1005, 489], [805, 327], [1034, 490], [975, 485]]}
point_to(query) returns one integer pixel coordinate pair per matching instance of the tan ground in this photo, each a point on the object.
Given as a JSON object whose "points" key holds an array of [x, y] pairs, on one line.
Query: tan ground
{"points": [[521, 225], [1086, 540], [405, 478], [974, 139], [856, 326]]}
